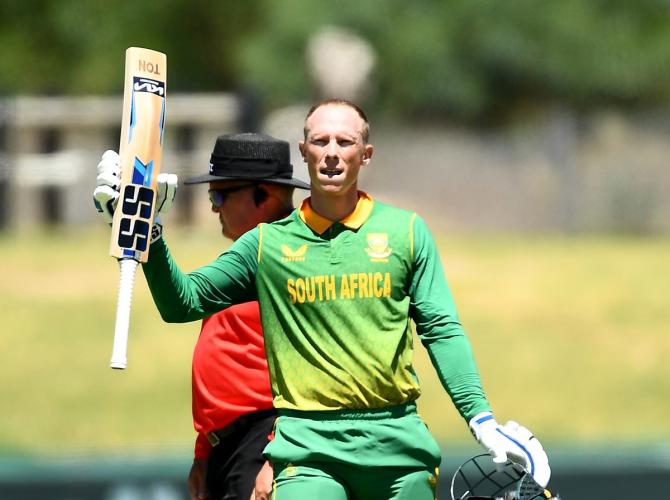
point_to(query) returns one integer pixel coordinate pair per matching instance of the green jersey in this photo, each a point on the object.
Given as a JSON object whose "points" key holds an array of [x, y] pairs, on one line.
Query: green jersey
{"points": [[336, 302]]}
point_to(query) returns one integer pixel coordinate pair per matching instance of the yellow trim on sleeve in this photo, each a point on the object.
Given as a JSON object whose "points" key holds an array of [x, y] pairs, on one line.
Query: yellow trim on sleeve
{"points": [[260, 240], [411, 235]]}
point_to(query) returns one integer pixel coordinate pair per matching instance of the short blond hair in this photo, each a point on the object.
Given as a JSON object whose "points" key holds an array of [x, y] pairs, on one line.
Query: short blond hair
{"points": [[365, 132]]}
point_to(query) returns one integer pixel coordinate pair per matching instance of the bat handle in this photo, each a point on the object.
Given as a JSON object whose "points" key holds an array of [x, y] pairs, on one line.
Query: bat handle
{"points": [[127, 268]]}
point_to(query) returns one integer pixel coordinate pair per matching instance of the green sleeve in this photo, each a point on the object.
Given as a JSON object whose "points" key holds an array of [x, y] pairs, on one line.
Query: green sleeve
{"points": [[182, 297], [433, 310]]}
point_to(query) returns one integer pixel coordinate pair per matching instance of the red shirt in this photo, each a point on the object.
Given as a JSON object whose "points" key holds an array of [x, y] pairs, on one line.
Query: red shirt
{"points": [[230, 371]]}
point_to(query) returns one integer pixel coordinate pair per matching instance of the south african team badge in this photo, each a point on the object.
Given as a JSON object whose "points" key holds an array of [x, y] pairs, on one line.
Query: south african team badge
{"points": [[378, 247]]}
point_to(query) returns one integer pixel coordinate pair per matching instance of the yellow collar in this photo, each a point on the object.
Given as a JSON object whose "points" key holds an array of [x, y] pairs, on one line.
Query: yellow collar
{"points": [[353, 221]]}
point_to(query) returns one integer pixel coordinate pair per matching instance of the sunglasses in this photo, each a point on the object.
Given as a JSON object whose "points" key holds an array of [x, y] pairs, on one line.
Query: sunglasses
{"points": [[218, 197]]}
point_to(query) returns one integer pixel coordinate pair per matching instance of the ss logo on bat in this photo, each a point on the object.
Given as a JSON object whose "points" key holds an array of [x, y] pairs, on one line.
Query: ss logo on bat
{"points": [[135, 225]]}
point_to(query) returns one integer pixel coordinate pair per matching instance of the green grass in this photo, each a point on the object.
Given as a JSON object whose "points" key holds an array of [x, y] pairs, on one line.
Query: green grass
{"points": [[571, 337]]}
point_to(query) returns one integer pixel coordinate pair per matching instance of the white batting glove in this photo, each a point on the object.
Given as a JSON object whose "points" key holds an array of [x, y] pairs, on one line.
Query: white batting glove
{"points": [[511, 442], [166, 190], [108, 182], [106, 193]]}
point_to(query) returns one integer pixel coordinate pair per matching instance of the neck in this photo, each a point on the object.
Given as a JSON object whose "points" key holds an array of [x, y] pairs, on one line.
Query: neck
{"points": [[334, 208], [285, 212], [278, 208]]}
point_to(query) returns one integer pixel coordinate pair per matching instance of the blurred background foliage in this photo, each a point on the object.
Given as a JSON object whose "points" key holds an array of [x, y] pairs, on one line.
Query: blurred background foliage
{"points": [[461, 60]]}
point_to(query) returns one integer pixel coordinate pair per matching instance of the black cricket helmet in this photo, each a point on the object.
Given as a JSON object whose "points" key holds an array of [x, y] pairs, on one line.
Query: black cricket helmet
{"points": [[479, 479]]}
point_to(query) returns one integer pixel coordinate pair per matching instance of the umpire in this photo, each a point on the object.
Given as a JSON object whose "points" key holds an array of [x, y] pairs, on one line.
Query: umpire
{"points": [[250, 180]]}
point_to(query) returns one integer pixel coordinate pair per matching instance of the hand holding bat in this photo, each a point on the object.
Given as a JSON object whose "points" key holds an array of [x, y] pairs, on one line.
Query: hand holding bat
{"points": [[106, 198], [139, 162], [108, 182]]}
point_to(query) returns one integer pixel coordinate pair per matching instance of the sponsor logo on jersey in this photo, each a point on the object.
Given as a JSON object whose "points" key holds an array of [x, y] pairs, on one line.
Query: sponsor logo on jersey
{"points": [[290, 255], [326, 287], [378, 247]]}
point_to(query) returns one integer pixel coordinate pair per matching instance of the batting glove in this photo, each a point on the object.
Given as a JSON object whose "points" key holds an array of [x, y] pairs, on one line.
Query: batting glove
{"points": [[106, 193], [108, 183], [511, 442]]}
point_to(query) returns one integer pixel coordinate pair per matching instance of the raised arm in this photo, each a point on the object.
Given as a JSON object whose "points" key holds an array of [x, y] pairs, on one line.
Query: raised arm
{"points": [[181, 297]]}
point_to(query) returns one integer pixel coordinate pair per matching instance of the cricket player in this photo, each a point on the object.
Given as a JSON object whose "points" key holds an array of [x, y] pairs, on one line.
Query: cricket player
{"points": [[338, 282], [250, 181]]}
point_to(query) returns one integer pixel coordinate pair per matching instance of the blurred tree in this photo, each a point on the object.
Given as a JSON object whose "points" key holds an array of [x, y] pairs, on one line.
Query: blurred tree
{"points": [[475, 59], [77, 46], [459, 59]]}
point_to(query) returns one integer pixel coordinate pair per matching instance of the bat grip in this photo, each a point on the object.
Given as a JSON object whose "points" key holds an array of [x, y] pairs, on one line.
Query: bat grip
{"points": [[127, 268]]}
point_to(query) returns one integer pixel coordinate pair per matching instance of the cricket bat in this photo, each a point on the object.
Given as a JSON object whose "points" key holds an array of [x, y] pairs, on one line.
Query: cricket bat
{"points": [[140, 152]]}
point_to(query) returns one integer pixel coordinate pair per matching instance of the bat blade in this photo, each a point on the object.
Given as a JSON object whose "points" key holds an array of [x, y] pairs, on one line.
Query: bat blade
{"points": [[140, 152]]}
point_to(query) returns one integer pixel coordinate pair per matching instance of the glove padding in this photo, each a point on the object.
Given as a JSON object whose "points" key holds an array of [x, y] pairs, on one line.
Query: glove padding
{"points": [[511, 442], [108, 183]]}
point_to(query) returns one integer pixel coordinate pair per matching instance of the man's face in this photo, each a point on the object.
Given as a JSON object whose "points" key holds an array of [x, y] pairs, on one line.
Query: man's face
{"points": [[334, 149], [237, 211]]}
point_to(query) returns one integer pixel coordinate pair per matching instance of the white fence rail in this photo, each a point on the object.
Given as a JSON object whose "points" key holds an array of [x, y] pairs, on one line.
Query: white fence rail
{"points": [[557, 171], [50, 146]]}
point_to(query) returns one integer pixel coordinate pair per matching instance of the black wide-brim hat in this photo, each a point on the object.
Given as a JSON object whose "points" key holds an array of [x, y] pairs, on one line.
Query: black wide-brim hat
{"points": [[250, 157]]}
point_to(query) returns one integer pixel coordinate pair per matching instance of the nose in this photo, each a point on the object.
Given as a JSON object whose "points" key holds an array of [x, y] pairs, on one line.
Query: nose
{"points": [[331, 149]]}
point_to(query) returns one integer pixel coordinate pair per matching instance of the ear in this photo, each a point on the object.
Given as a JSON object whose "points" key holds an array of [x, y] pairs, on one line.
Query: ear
{"points": [[260, 195], [301, 146], [367, 154]]}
